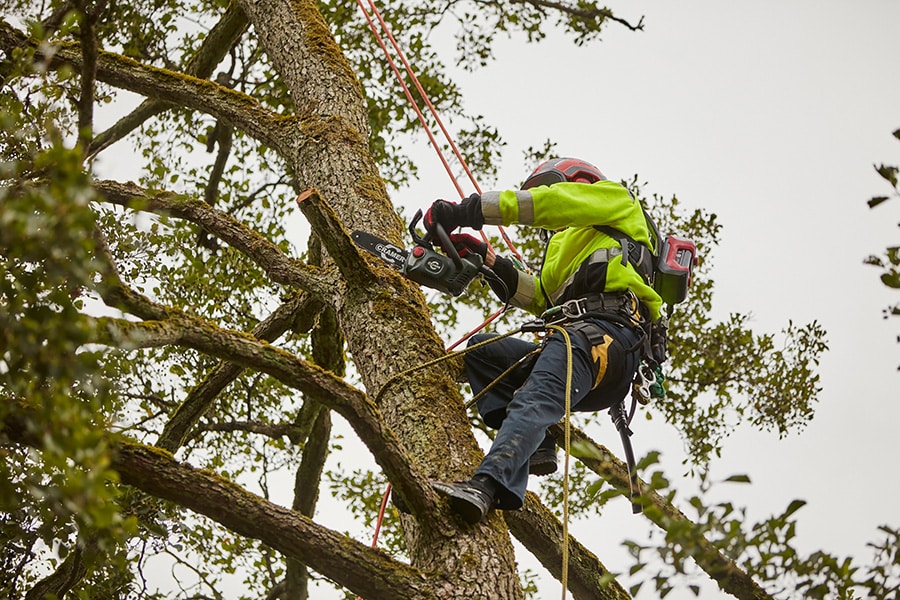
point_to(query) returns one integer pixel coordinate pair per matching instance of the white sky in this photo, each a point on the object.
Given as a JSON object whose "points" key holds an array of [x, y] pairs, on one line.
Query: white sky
{"points": [[770, 114]]}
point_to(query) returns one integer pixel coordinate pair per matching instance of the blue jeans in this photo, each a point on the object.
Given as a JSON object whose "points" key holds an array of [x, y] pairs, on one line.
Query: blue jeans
{"points": [[532, 397]]}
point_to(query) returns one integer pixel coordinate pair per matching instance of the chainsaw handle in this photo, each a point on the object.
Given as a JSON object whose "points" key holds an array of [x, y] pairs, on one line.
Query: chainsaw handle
{"points": [[446, 244], [417, 239]]}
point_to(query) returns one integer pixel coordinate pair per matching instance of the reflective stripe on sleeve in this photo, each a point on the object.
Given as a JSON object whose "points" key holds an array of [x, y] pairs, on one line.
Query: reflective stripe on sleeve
{"points": [[525, 290], [517, 206], [490, 208], [526, 207]]}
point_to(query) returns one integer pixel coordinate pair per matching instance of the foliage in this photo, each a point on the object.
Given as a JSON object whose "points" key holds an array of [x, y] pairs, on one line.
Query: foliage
{"points": [[889, 262], [46, 261], [766, 549]]}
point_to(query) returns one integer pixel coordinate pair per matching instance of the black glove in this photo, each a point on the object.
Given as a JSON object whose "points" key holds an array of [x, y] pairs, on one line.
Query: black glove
{"points": [[466, 244], [507, 273], [451, 215]]}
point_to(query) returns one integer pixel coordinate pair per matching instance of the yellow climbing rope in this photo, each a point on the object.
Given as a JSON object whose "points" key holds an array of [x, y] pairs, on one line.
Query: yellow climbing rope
{"points": [[564, 577]]}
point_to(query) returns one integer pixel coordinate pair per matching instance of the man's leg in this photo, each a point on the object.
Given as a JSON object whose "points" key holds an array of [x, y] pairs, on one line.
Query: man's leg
{"points": [[502, 477], [536, 406], [485, 364]]}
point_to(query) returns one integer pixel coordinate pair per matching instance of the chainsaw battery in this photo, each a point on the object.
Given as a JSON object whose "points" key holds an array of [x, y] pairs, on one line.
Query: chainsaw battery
{"points": [[677, 259]]}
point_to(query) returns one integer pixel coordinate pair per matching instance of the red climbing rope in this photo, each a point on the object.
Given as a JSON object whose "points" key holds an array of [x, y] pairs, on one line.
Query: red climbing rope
{"points": [[405, 87], [434, 113]]}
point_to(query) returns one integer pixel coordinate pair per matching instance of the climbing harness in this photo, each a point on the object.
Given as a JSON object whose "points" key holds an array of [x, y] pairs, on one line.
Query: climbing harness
{"points": [[617, 308]]}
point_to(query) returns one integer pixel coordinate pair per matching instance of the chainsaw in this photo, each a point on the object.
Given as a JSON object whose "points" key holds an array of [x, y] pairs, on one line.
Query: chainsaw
{"points": [[446, 272]]}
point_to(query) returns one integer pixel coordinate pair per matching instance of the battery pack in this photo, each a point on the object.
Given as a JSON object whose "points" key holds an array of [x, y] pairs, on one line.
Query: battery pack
{"points": [[677, 259]]}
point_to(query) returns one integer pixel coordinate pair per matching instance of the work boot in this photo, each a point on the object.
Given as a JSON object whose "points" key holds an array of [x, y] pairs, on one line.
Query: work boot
{"points": [[542, 462], [469, 499]]}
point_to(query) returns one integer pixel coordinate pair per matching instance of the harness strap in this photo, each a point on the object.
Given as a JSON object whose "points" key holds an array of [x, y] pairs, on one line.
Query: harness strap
{"points": [[639, 255], [591, 332]]}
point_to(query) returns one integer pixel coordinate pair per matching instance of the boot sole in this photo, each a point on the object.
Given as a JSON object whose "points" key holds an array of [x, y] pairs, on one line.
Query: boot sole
{"points": [[542, 469], [470, 513]]}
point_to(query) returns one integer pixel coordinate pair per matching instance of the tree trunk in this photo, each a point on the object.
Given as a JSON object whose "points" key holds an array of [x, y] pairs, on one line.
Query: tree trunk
{"points": [[387, 327]]}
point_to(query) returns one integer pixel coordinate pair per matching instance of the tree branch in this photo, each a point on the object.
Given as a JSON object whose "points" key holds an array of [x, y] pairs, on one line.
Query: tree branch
{"points": [[320, 385], [327, 352], [69, 573], [355, 566], [542, 534], [730, 577], [240, 110], [329, 230], [113, 290], [221, 38], [299, 308], [306, 495], [270, 430], [88, 37], [280, 267], [583, 13]]}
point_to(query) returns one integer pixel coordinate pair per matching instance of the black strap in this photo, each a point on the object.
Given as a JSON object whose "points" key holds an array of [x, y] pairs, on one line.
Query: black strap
{"points": [[639, 255]]}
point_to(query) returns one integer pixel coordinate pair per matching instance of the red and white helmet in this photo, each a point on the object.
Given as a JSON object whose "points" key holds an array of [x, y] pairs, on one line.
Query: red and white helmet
{"points": [[557, 170]]}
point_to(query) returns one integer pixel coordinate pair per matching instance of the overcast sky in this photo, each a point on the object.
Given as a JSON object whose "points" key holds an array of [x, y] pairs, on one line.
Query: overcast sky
{"points": [[771, 115]]}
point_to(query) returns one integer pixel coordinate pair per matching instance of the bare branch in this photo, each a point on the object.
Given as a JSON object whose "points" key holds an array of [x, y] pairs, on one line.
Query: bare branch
{"points": [[280, 267], [299, 308], [221, 38]]}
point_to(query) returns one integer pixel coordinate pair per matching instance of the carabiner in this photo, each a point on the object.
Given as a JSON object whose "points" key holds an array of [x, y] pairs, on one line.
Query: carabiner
{"points": [[644, 378]]}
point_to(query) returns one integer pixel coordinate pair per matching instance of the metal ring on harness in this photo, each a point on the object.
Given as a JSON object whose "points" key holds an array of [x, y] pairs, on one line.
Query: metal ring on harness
{"points": [[620, 306]]}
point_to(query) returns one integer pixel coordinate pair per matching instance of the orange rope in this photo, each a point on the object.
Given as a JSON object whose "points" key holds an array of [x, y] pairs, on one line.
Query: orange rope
{"points": [[384, 501], [434, 113], [407, 92], [431, 108]]}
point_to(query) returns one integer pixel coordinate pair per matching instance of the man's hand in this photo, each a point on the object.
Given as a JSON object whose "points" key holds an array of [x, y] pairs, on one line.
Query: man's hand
{"points": [[467, 244], [451, 215], [448, 215]]}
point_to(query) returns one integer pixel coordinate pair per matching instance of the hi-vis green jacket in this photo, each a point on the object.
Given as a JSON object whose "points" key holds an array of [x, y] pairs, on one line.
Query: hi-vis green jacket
{"points": [[579, 259]]}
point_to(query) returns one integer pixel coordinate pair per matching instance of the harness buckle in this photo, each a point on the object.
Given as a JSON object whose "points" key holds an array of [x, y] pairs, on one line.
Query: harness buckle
{"points": [[574, 309]]}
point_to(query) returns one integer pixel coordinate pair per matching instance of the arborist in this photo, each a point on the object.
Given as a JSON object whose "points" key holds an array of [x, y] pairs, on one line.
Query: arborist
{"points": [[590, 280]]}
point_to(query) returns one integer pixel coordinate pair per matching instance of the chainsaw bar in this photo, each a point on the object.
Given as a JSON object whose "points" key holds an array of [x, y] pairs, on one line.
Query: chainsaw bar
{"points": [[423, 264], [392, 255]]}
